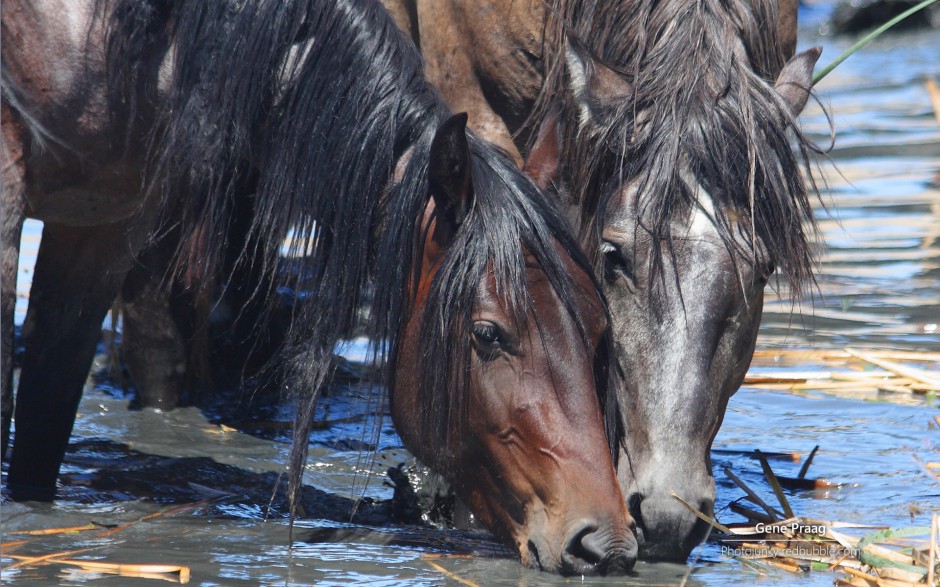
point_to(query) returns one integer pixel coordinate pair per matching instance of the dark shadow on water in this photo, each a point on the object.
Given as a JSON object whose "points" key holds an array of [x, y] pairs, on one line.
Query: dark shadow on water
{"points": [[99, 471], [113, 472]]}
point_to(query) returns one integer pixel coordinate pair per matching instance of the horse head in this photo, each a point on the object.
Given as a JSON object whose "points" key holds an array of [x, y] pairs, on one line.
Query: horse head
{"points": [[688, 199], [501, 372]]}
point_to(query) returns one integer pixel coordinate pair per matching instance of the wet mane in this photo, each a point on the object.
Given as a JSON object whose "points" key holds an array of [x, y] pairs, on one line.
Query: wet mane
{"points": [[305, 108], [699, 72]]}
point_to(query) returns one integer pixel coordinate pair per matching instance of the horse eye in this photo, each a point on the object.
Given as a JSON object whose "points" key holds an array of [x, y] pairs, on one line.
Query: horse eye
{"points": [[487, 335], [615, 262]]}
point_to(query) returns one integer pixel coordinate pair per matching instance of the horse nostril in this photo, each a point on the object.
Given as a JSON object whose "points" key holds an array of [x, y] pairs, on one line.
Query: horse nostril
{"points": [[584, 550], [534, 553], [595, 549], [633, 503], [633, 506]]}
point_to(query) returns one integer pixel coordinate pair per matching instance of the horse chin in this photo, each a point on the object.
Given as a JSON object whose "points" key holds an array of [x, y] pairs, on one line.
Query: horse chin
{"points": [[676, 551]]}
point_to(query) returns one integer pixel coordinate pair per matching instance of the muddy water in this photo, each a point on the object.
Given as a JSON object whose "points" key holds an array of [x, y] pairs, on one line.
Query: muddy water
{"points": [[879, 287]]}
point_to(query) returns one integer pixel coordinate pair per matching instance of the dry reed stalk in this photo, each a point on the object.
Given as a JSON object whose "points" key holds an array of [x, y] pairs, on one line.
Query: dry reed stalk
{"points": [[886, 582], [751, 495], [53, 531], [774, 456], [934, 97], [167, 512], [751, 565], [798, 483], [932, 469], [751, 514], [708, 520], [784, 564], [835, 380], [854, 582], [859, 378], [846, 525], [861, 575], [809, 461], [775, 485], [23, 561], [901, 575], [775, 356], [130, 570], [793, 377], [887, 554], [901, 389], [450, 575], [135, 575], [931, 560], [879, 580], [902, 370]]}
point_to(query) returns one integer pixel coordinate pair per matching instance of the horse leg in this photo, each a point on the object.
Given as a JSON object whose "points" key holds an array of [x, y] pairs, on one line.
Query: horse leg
{"points": [[152, 343], [163, 340], [79, 271], [11, 225]]}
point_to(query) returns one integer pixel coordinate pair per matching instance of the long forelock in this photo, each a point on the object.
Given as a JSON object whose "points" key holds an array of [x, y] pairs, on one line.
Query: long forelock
{"points": [[508, 223], [698, 72]]}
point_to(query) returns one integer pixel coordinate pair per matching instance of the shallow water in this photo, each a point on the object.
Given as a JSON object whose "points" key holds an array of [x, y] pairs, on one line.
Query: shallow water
{"points": [[879, 286]]}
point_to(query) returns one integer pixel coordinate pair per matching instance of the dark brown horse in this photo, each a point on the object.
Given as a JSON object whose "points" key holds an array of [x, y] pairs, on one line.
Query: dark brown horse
{"points": [[121, 114], [666, 128]]}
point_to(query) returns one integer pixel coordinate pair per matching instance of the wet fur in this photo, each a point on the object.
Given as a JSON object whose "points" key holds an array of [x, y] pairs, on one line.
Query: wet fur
{"points": [[701, 73]]}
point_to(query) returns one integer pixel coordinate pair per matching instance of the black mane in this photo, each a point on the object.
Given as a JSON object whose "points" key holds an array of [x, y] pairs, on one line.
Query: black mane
{"points": [[701, 72], [308, 105]]}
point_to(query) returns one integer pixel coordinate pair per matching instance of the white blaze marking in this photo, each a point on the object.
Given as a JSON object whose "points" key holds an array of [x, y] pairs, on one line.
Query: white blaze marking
{"points": [[703, 215]]}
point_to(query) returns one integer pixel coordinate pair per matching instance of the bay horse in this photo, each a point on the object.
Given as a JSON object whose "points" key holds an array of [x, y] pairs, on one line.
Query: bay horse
{"points": [[124, 119], [666, 127]]}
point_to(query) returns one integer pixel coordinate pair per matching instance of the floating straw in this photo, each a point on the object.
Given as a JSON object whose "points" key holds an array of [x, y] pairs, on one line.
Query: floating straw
{"points": [[708, 520], [53, 531], [751, 495], [772, 479], [450, 575], [809, 460], [131, 570], [934, 97], [933, 549], [897, 368]]}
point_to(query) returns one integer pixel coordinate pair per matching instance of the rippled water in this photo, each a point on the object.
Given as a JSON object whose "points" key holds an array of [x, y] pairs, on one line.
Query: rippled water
{"points": [[879, 288]]}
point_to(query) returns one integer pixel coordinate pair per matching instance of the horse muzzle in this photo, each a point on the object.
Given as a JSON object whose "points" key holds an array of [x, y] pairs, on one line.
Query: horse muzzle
{"points": [[590, 548], [666, 529]]}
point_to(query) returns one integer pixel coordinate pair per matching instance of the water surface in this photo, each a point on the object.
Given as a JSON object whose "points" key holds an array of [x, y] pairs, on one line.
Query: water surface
{"points": [[879, 287]]}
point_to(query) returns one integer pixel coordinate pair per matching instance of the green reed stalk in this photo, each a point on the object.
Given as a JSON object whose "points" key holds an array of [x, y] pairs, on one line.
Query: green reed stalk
{"points": [[869, 38]]}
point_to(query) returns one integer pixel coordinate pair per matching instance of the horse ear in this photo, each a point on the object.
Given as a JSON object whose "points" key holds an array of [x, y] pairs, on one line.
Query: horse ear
{"points": [[449, 176], [796, 79], [542, 163], [593, 84]]}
